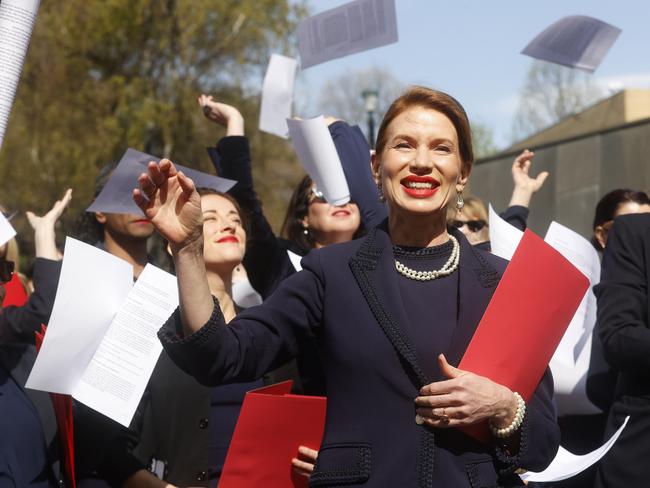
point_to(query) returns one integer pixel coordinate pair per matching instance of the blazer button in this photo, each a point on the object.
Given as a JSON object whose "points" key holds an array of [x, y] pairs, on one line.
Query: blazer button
{"points": [[201, 476], [203, 423]]}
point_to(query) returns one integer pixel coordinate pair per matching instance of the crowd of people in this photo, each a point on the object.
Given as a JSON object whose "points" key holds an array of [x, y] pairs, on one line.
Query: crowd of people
{"points": [[376, 317]]}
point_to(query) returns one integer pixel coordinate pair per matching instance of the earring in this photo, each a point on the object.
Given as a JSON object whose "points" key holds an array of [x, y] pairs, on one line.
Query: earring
{"points": [[460, 203], [305, 231], [382, 199]]}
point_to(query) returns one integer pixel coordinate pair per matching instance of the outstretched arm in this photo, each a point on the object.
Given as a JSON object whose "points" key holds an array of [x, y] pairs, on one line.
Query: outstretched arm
{"points": [[170, 201], [266, 260], [17, 324]]}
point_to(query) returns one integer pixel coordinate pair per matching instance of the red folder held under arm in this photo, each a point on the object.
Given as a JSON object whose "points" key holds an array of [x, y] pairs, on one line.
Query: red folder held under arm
{"points": [[272, 424], [15, 293], [529, 313]]}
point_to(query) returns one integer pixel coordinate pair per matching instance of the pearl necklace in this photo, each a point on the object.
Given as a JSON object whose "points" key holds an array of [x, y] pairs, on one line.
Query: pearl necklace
{"points": [[450, 266]]}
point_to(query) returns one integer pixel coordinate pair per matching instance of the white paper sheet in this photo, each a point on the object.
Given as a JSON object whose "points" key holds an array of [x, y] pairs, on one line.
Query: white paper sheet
{"points": [[576, 41], [295, 260], [92, 286], [315, 148], [277, 95], [244, 295], [351, 28], [504, 237], [101, 344], [17, 18], [571, 359], [115, 379], [565, 465], [117, 194], [7, 232]]}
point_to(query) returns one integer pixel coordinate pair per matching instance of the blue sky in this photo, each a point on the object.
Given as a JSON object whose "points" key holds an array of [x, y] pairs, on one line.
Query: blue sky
{"points": [[471, 49]]}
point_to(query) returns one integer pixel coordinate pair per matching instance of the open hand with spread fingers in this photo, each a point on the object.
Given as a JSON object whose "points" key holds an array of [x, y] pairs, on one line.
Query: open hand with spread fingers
{"points": [[170, 201], [464, 399]]}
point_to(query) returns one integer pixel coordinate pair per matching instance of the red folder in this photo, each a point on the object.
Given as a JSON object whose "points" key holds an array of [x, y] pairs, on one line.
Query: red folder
{"points": [[15, 293], [272, 424], [529, 313], [63, 412]]}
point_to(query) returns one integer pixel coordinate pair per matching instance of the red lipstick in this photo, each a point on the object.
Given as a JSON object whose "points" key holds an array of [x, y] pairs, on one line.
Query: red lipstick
{"points": [[226, 239], [420, 186]]}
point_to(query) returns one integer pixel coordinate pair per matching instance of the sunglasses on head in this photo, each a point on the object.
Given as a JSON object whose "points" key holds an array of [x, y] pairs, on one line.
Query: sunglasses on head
{"points": [[6, 270], [472, 225]]}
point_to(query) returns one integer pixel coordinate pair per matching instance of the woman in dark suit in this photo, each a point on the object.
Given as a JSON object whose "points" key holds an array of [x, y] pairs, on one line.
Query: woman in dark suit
{"points": [[383, 308], [624, 329]]}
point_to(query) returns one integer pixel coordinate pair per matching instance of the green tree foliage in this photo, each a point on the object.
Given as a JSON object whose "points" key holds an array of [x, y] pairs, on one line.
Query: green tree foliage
{"points": [[101, 76]]}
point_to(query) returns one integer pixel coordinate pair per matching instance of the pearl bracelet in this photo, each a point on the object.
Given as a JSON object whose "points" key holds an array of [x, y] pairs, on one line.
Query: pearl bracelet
{"points": [[516, 422]]}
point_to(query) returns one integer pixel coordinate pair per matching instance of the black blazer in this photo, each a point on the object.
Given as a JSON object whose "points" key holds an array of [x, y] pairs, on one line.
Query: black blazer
{"points": [[624, 329], [348, 296]]}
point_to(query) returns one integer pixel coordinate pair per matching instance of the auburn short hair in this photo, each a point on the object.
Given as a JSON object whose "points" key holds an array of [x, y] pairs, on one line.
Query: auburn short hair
{"points": [[419, 96]]}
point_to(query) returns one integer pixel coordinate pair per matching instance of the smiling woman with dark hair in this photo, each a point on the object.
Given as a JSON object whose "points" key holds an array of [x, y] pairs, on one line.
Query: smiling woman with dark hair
{"points": [[392, 312]]}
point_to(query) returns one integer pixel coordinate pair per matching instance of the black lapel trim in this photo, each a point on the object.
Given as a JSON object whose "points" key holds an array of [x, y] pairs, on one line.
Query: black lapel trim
{"points": [[365, 260]]}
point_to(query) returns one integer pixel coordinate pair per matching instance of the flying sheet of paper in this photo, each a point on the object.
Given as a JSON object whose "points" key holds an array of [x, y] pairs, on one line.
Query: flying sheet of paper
{"points": [[504, 238], [17, 18], [117, 194], [101, 344], [295, 260], [576, 41], [92, 286], [317, 153], [277, 95], [351, 28], [571, 359], [115, 379], [7, 232], [566, 464]]}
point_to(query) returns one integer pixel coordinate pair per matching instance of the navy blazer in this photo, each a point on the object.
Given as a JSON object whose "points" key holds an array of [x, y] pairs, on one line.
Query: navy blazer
{"points": [[348, 296], [624, 328]]}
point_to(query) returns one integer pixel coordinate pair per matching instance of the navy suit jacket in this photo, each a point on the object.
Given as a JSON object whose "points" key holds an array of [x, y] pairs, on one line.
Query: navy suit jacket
{"points": [[348, 296]]}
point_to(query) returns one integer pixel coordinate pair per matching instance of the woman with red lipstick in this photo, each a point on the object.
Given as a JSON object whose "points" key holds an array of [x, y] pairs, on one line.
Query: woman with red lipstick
{"points": [[384, 309]]}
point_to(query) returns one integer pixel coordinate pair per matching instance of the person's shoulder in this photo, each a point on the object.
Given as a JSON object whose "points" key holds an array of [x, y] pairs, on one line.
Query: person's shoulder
{"points": [[336, 252], [633, 224], [493, 260]]}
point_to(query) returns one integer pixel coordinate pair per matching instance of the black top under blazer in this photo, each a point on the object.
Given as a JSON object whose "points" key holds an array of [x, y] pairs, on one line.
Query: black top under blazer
{"points": [[348, 296]]}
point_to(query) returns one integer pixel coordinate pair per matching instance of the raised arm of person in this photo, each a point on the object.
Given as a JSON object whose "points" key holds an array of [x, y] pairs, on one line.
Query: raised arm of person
{"points": [[17, 324], [196, 337], [266, 260], [354, 153], [524, 188]]}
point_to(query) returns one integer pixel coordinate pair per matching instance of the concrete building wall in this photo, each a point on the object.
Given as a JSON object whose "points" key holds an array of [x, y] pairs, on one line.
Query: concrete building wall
{"points": [[581, 170]]}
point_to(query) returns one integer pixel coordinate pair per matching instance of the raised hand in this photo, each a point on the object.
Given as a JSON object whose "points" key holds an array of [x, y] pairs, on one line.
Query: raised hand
{"points": [[464, 399], [44, 233], [524, 185], [222, 114], [170, 201], [48, 220]]}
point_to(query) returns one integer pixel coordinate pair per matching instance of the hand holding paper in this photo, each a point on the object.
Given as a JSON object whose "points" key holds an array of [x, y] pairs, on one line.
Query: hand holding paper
{"points": [[526, 318]]}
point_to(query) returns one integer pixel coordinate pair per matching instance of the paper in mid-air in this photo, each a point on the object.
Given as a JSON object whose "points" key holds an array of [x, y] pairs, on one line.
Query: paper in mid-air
{"points": [[117, 194], [576, 41], [315, 148], [101, 344], [17, 18], [277, 95], [351, 28]]}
